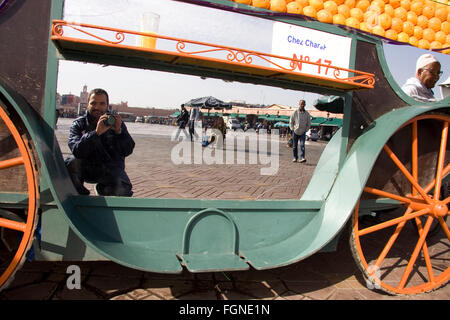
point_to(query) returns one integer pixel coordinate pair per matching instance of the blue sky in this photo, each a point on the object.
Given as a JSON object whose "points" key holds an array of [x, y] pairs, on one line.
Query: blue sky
{"points": [[145, 88]]}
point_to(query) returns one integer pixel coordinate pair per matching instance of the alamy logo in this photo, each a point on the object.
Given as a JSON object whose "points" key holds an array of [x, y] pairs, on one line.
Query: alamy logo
{"points": [[262, 149], [74, 280]]}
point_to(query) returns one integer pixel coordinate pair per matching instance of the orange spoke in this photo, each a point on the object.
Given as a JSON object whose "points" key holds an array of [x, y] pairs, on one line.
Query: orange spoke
{"points": [[11, 224], [406, 173], [433, 182], [11, 163], [444, 227], [437, 188], [391, 241], [385, 194], [393, 222], [426, 254], [415, 254], [414, 147]]}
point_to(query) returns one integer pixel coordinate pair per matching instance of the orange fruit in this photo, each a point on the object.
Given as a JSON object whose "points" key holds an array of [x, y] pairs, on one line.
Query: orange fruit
{"points": [[406, 4], [310, 11], [441, 13], [364, 27], [339, 2], [417, 7], [440, 36], [330, 6], [418, 32], [394, 3], [403, 37], [435, 45], [408, 28], [339, 19], [434, 23], [380, 3], [344, 10], [350, 3], [397, 24], [422, 22], [288, 1], [325, 16], [278, 5], [378, 30], [389, 10], [385, 21], [244, 1], [363, 5], [352, 22], [357, 13], [424, 44], [445, 27], [316, 4], [391, 34], [413, 41], [401, 13], [429, 34], [261, 3], [375, 7], [448, 39], [303, 3], [428, 11], [294, 7], [411, 16]]}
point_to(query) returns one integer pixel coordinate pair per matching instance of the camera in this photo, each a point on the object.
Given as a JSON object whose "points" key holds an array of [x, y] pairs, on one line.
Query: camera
{"points": [[110, 121]]}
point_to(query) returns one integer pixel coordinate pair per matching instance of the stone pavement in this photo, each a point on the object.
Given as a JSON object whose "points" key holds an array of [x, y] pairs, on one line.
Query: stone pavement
{"points": [[323, 276]]}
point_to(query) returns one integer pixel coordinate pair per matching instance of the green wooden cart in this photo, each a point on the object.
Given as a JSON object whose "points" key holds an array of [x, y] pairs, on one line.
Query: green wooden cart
{"points": [[381, 177]]}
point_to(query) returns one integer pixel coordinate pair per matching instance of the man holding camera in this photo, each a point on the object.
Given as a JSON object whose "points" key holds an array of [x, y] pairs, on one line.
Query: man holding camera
{"points": [[99, 142]]}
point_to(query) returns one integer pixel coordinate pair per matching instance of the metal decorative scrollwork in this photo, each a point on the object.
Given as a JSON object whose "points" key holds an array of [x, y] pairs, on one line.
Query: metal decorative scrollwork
{"points": [[233, 55]]}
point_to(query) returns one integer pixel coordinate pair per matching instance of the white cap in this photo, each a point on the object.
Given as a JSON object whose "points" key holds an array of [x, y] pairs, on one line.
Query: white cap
{"points": [[425, 60]]}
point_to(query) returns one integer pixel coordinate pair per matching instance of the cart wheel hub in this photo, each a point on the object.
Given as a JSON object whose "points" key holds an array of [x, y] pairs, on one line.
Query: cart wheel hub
{"points": [[439, 210]]}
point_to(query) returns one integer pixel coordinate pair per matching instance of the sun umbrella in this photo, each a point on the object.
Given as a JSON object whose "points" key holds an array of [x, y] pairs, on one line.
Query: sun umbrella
{"points": [[208, 103]]}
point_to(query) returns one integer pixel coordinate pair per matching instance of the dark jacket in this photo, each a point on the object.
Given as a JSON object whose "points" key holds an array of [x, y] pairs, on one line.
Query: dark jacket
{"points": [[183, 118], [109, 148]]}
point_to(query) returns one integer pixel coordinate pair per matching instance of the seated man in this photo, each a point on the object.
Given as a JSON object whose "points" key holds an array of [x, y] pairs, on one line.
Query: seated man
{"points": [[428, 72], [99, 143]]}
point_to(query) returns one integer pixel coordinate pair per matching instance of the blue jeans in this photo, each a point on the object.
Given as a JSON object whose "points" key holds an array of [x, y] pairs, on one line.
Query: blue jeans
{"points": [[295, 139]]}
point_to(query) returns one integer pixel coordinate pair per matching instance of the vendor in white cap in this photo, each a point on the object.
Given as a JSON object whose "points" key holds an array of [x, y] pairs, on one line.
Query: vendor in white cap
{"points": [[428, 71]]}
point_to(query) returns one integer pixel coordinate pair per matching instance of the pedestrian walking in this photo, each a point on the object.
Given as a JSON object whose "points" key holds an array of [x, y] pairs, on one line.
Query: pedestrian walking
{"points": [[182, 120], [299, 123]]}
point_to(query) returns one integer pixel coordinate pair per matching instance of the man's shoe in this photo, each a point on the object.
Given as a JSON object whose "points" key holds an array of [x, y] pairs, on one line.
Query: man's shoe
{"points": [[294, 160], [83, 191], [302, 160]]}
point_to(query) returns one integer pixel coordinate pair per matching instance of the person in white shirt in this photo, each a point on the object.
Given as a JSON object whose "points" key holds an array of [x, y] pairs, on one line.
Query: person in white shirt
{"points": [[299, 123], [428, 72]]}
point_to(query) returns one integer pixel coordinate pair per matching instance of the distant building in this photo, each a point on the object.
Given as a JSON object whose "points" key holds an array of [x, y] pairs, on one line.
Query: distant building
{"points": [[84, 96]]}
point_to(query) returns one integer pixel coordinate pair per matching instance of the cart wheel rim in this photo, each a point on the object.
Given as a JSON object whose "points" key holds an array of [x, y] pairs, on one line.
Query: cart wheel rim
{"points": [[423, 269], [27, 227]]}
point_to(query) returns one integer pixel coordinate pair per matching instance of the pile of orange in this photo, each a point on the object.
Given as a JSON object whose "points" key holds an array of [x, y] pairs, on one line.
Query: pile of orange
{"points": [[421, 23]]}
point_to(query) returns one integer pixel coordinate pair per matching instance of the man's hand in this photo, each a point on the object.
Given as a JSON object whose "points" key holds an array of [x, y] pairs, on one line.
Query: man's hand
{"points": [[101, 125], [117, 124]]}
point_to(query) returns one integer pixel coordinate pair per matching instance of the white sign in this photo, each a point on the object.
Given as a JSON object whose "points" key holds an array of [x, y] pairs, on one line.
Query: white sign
{"points": [[310, 45]]}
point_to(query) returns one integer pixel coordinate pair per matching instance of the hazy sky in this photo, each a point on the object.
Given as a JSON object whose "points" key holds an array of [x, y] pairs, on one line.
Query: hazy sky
{"points": [[145, 88]]}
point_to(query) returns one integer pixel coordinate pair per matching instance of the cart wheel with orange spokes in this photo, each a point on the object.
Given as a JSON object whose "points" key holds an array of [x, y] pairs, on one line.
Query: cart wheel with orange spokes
{"points": [[407, 177], [17, 178]]}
